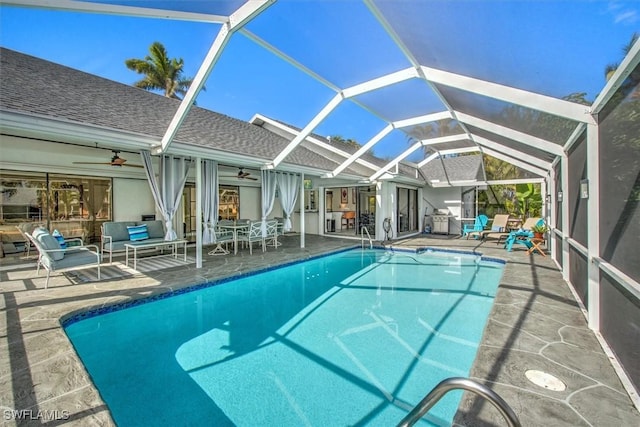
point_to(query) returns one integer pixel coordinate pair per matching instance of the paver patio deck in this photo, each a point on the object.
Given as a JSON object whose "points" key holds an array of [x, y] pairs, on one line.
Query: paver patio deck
{"points": [[535, 324]]}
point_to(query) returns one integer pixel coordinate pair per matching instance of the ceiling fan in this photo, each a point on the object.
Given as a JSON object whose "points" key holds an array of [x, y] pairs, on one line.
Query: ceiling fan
{"points": [[115, 161], [243, 175]]}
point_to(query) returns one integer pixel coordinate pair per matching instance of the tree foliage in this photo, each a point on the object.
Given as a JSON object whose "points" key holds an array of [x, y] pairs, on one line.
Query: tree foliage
{"points": [[161, 73]]}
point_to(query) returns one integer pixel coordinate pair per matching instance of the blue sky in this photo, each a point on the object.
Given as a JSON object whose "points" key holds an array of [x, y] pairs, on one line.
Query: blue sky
{"points": [[551, 47]]}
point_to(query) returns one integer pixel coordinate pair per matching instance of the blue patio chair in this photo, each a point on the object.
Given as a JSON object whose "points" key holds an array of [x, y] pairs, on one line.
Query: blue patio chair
{"points": [[479, 224]]}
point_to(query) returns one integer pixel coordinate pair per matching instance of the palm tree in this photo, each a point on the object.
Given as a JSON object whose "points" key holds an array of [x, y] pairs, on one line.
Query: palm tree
{"points": [[611, 68], [160, 72]]}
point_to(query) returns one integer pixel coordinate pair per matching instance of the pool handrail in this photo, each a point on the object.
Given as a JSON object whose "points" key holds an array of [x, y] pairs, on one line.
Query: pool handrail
{"points": [[457, 383], [363, 230]]}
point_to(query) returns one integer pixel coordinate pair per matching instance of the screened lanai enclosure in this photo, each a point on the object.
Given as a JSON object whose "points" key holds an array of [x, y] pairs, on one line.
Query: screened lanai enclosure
{"points": [[424, 81]]}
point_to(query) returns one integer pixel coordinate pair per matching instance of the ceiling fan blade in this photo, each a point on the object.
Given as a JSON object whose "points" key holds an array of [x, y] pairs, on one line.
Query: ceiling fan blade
{"points": [[251, 178], [132, 166], [91, 163]]}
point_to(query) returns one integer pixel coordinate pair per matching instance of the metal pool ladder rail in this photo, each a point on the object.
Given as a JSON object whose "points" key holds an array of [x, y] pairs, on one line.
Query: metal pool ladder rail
{"points": [[457, 383], [363, 230]]}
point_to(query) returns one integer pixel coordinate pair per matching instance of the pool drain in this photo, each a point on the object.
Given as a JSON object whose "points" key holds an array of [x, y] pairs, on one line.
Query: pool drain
{"points": [[545, 380]]}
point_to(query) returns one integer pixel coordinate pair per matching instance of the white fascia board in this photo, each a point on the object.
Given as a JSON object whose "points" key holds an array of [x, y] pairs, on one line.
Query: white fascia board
{"points": [[512, 152], [395, 161], [459, 150], [237, 20], [547, 104], [515, 181], [380, 82], [514, 161], [60, 130], [288, 59], [523, 138], [445, 139], [355, 156], [430, 158], [111, 9], [306, 131], [629, 63], [422, 119]]}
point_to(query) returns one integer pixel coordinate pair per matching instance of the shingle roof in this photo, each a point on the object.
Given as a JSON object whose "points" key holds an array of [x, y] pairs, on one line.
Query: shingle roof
{"points": [[35, 86], [459, 168]]}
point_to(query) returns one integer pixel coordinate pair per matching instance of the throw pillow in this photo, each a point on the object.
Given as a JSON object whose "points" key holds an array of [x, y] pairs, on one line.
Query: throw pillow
{"points": [[60, 238], [138, 232]]}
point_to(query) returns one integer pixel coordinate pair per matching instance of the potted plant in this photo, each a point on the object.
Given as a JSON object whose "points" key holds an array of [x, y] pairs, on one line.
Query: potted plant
{"points": [[538, 230]]}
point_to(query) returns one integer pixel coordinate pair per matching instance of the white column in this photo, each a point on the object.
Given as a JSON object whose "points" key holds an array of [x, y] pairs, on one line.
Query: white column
{"points": [[593, 226], [564, 165], [552, 213], [302, 228], [199, 184]]}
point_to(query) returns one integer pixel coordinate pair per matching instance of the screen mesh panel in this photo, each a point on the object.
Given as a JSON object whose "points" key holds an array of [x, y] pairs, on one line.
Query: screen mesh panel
{"points": [[576, 205], [542, 125], [578, 274], [339, 40], [619, 325], [620, 178], [510, 143]]}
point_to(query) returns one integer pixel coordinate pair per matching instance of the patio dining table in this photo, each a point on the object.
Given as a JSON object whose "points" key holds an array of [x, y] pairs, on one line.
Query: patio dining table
{"points": [[234, 228]]}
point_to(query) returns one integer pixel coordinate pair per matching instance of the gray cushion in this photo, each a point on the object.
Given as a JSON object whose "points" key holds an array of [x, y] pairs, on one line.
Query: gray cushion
{"points": [[49, 242], [117, 230], [154, 228], [73, 258]]}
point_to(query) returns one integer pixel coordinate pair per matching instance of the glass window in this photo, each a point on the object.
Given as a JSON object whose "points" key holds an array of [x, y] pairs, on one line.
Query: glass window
{"points": [[229, 202], [74, 205]]}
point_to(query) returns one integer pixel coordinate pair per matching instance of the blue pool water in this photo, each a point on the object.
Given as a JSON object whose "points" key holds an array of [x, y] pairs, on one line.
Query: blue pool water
{"points": [[353, 338]]}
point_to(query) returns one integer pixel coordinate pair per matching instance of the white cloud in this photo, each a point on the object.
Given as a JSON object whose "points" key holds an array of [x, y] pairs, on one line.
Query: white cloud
{"points": [[622, 14], [626, 17]]}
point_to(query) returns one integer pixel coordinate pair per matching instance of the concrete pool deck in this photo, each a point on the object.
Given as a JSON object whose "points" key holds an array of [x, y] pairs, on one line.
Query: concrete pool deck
{"points": [[535, 324]]}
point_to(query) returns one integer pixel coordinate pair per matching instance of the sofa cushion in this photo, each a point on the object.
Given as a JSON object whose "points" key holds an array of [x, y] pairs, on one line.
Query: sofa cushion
{"points": [[117, 230], [137, 232], [154, 228]]}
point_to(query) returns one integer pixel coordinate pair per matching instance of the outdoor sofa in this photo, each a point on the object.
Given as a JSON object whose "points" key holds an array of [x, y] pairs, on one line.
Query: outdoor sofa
{"points": [[115, 234]]}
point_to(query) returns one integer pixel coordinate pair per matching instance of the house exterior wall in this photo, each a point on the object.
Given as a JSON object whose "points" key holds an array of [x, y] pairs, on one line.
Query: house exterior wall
{"points": [[441, 198], [132, 198]]}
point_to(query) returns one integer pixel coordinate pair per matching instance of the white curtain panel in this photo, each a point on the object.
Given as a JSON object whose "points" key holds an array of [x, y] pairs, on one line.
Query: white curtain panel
{"points": [[167, 194], [289, 185], [210, 200], [268, 196]]}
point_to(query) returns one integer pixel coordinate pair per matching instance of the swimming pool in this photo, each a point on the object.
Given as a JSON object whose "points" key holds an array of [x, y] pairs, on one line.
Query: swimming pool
{"points": [[357, 337]]}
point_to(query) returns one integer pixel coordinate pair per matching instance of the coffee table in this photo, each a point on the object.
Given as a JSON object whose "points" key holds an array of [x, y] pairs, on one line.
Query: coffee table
{"points": [[173, 244]]}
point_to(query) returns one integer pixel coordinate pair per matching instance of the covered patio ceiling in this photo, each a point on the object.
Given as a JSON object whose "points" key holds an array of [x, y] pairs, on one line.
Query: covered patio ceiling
{"points": [[426, 78]]}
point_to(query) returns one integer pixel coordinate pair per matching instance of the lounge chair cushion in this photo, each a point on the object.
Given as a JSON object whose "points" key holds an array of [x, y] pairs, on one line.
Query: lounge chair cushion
{"points": [[72, 258], [138, 233], [497, 228], [49, 242]]}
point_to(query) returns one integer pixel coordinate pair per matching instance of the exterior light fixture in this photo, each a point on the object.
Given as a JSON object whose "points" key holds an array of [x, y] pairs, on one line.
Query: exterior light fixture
{"points": [[584, 188], [559, 196]]}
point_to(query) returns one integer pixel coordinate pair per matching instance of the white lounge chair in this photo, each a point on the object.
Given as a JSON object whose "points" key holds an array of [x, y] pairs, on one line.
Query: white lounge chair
{"points": [[54, 258]]}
